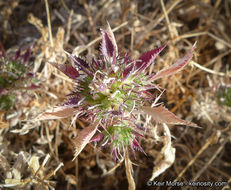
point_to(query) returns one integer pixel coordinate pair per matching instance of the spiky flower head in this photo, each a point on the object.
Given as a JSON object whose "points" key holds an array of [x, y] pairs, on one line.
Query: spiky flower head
{"points": [[108, 93]]}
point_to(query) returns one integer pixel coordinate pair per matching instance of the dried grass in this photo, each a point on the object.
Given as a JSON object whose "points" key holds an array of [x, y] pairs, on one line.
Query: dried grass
{"points": [[201, 154]]}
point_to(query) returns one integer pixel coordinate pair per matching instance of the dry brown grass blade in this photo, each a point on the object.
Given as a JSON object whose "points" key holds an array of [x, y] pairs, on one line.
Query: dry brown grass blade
{"points": [[221, 147], [167, 19], [210, 70], [38, 177], [213, 138], [114, 168], [49, 23], [3, 124], [69, 26], [166, 157], [7, 11], [99, 38], [129, 172], [89, 17], [155, 22]]}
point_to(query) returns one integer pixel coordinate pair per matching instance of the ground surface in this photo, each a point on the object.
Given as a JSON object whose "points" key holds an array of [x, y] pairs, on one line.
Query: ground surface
{"points": [[200, 93]]}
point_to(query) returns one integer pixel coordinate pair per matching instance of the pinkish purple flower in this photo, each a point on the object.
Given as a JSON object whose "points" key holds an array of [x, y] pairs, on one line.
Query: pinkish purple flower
{"points": [[108, 93]]}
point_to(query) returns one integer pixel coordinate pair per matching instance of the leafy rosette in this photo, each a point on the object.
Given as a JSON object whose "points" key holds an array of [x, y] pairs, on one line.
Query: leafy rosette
{"points": [[109, 92]]}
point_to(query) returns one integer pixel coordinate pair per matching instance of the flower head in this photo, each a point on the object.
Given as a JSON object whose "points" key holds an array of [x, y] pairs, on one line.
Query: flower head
{"points": [[14, 77], [109, 91]]}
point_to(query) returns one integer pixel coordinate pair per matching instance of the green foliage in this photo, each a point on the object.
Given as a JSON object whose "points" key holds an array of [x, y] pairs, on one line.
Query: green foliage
{"points": [[224, 96], [3, 82], [7, 102], [16, 68]]}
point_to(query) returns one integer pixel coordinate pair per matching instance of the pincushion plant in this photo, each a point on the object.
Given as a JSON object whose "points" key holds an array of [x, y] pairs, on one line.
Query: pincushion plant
{"points": [[109, 92], [15, 77]]}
